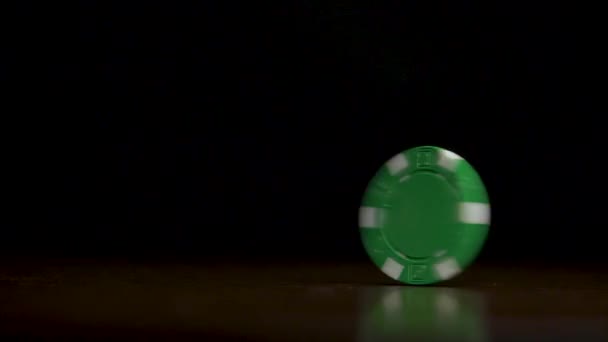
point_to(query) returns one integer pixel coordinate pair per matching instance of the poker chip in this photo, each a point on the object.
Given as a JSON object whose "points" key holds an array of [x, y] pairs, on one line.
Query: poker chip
{"points": [[424, 216]]}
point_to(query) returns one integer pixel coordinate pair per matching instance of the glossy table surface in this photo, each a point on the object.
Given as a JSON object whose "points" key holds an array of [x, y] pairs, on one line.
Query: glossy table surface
{"points": [[295, 301]]}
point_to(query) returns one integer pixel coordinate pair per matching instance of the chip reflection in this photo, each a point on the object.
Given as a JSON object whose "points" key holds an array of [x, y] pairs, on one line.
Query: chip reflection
{"points": [[391, 313]]}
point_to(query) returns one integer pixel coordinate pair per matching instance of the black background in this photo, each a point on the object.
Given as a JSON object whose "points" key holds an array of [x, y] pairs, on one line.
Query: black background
{"points": [[249, 130]]}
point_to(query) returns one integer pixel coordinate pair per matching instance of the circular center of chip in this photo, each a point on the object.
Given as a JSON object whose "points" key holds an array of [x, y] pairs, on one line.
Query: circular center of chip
{"points": [[423, 220]]}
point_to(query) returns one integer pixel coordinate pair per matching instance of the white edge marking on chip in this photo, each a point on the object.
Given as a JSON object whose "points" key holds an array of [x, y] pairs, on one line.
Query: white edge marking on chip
{"points": [[448, 159], [392, 268], [404, 178], [397, 164], [475, 213], [370, 217], [447, 268]]}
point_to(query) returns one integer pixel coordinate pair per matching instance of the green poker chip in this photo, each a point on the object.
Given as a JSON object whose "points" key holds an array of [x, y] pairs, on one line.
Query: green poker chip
{"points": [[424, 216]]}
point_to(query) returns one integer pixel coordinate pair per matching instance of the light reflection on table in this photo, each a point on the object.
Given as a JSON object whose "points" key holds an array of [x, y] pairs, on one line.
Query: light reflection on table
{"points": [[429, 313]]}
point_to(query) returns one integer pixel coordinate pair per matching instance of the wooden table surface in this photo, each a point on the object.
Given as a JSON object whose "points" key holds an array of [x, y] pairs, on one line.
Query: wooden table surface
{"points": [[87, 299]]}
